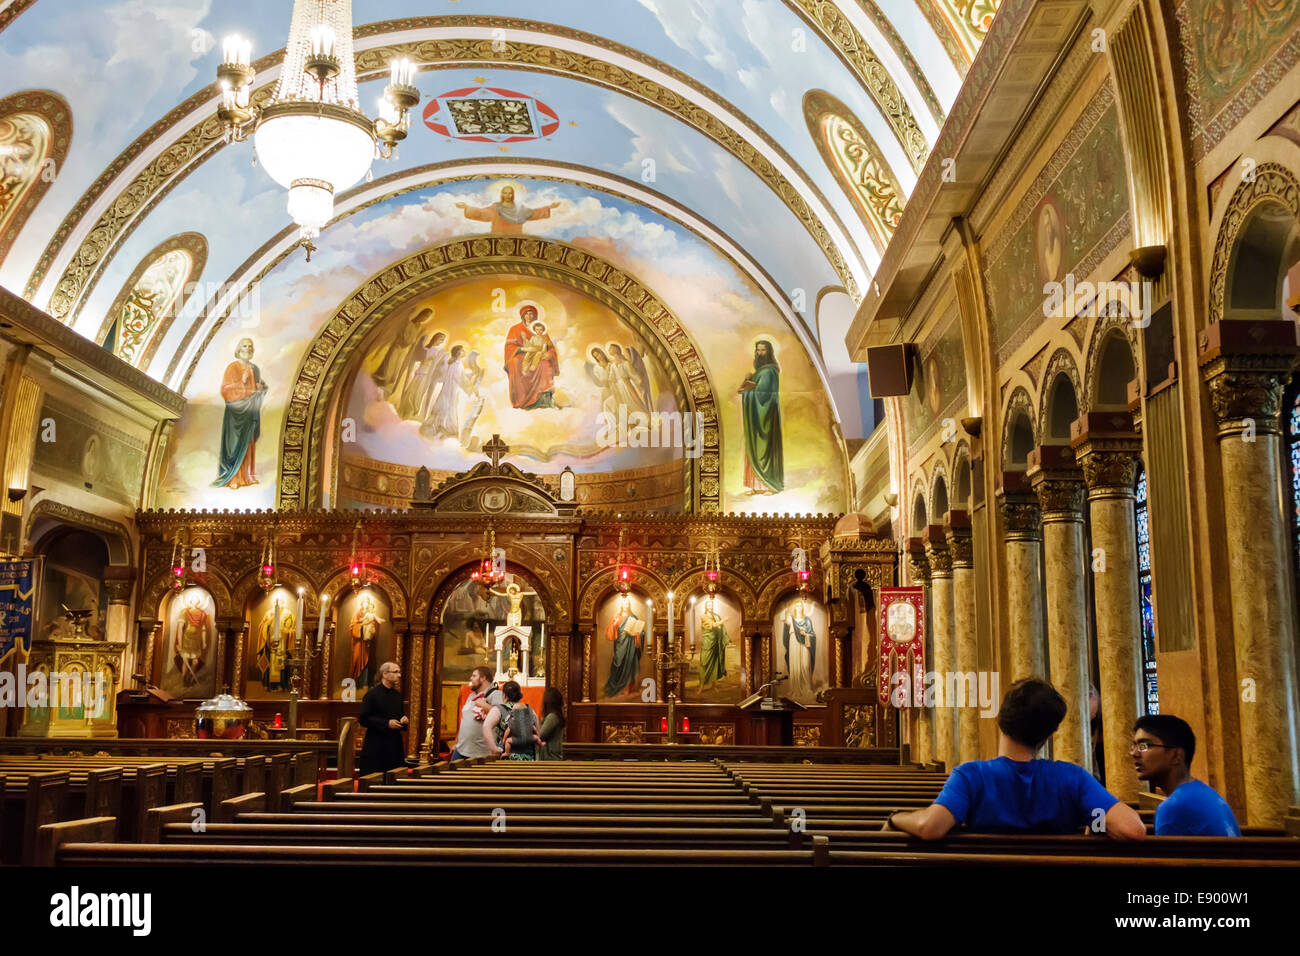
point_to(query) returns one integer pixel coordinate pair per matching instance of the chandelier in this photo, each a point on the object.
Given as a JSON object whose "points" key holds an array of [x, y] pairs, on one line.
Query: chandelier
{"points": [[312, 136]]}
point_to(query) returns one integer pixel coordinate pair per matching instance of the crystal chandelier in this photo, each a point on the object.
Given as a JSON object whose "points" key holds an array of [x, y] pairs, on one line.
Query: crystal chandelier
{"points": [[312, 137]]}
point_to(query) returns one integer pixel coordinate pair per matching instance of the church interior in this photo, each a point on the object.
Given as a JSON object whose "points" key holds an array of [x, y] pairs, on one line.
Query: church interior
{"points": [[777, 382]]}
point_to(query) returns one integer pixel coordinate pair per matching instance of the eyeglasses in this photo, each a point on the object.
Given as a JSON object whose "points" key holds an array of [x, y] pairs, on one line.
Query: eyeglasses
{"points": [[1142, 746]]}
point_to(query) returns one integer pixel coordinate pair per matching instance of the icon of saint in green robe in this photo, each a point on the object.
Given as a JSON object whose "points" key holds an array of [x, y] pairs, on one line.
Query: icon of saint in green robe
{"points": [[760, 403]]}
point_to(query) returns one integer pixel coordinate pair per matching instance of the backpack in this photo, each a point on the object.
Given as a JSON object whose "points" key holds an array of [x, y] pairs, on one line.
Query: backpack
{"points": [[521, 721]]}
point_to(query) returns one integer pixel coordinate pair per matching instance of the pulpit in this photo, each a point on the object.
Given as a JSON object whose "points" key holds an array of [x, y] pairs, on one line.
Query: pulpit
{"points": [[771, 720]]}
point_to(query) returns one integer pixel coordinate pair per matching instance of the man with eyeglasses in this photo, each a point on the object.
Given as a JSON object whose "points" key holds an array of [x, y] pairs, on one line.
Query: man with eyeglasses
{"points": [[1163, 747]]}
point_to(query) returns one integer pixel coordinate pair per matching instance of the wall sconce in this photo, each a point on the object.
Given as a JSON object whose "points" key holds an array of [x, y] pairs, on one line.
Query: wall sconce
{"points": [[891, 499], [1149, 261], [17, 494], [973, 426]]}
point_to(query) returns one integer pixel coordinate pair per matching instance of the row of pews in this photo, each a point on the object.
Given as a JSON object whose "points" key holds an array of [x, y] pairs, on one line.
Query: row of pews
{"points": [[42, 790], [483, 813]]}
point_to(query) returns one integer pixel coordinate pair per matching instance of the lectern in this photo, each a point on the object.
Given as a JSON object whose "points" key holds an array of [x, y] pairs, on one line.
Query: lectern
{"points": [[771, 720]]}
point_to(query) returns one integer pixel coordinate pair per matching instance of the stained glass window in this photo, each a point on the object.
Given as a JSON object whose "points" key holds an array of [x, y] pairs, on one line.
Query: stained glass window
{"points": [[1150, 689]]}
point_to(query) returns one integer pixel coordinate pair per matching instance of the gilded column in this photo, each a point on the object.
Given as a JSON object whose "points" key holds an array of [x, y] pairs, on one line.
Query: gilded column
{"points": [[965, 633], [1058, 482], [1108, 450], [1246, 366], [415, 697], [587, 664], [1022, 536], [945, 652], [923, 718]]}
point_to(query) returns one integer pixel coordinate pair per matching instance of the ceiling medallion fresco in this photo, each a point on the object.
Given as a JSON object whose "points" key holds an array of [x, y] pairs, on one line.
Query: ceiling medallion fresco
{"points": [[490, 115]]}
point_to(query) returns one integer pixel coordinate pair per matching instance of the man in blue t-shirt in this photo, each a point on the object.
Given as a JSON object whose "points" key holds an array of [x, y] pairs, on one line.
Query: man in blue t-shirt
{"points": [[1016, 793], [1163, 747]]}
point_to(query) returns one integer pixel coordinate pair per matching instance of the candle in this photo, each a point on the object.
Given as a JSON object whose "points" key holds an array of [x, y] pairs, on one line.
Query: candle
{"points": [[320, 628], [686, 724], [297, 634], [649, 621], [690, 622], [275, 627], [278, 722], [663, 724], [670, 619]]}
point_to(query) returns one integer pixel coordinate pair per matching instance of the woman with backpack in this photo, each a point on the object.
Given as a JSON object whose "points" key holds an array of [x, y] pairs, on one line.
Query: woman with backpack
{"points": [[552, 729], [511, 726]]}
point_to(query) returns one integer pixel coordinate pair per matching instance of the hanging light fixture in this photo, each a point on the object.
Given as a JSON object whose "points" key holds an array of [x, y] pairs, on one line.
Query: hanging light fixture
{"points": [[312, 137]]}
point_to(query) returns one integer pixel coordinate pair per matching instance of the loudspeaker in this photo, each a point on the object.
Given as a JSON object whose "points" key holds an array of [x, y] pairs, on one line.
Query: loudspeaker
{"points": [[889, 370]]}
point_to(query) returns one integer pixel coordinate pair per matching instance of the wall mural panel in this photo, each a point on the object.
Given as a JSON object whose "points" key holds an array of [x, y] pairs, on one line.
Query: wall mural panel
{"points": [[939, 387], [801, 649], [272, 635], [363, 639], [713, 636], [189, 666], [622, 650], [1235, 51], [778, 454], [1074, 214], [556, 374]]}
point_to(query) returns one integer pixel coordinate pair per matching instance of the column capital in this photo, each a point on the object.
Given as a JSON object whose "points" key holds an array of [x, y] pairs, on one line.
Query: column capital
{"points": [[1018, 507], [961, 543], [118, 580], [1108, 449], [1057, 480], [936, 551], [1246, 365], [919, 563]]}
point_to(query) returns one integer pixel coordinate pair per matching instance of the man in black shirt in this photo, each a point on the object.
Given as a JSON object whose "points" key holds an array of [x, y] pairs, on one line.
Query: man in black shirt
{"points": [[382, 717]]}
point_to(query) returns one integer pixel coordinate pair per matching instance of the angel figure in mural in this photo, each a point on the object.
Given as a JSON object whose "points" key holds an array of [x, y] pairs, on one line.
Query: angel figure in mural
{"points": [[507, 216], [364, 628], [601, 372], [516, 595], [713, 646], [631, 378], [799, 640], [191, 639], [760, 405], [419, 396], [398, 362], [244, 390], [624, 631], [531, 362], [275, 636], [461, 375]]}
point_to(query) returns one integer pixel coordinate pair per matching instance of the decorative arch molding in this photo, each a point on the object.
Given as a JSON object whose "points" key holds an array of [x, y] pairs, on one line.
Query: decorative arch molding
{"points": [[116, 536], [193, 245], [55, 118], [939, 474], [382, 578], [330, 355], [857, 163], [185, 151], [604, 582], [213, 581], [730, 585], [1102, 329], [777, 589], [1273, 182], [1019, 403], [1061, 362], [288, 576], [857, 54], [454, 567], [960, 456]]}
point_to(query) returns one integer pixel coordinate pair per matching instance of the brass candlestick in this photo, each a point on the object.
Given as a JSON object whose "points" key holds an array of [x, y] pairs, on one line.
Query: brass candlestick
{"points": [[298, 661], [669, 663]]}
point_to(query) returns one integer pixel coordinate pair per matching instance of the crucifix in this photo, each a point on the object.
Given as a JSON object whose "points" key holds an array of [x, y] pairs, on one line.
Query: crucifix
{"points": [[496, 449]]}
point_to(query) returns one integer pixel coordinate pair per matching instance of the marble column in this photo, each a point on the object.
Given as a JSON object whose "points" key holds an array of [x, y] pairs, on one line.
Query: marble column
{"points": [[1022, 536], [1246, 366], [965, 632], [944, 644], [1108, 449], [1058, 482], [920, 719]]}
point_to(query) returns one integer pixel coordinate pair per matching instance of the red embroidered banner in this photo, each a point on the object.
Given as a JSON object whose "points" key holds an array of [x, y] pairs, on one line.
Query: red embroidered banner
{"points": [[902, 646]]}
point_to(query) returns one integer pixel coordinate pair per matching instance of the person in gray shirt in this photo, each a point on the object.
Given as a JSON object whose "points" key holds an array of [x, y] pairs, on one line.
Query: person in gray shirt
{"points": [[483, 696]]}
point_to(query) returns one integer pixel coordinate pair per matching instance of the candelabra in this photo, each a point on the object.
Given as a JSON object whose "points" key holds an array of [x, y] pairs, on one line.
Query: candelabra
{"points": [[670, 662]]}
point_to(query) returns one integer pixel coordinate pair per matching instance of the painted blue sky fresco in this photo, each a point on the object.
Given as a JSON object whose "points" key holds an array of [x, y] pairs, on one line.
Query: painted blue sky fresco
{"points": [[151, 56]]}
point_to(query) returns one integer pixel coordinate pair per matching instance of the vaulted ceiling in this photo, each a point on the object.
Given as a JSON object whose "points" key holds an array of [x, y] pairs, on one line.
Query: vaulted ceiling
{"points": [[698, 111]]}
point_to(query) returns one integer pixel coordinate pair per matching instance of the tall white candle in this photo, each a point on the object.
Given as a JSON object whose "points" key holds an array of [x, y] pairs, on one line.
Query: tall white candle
{"points": [[297, 637], [649, 622], [275, 627], [670, 619], [320, 628], [690, 622]]}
